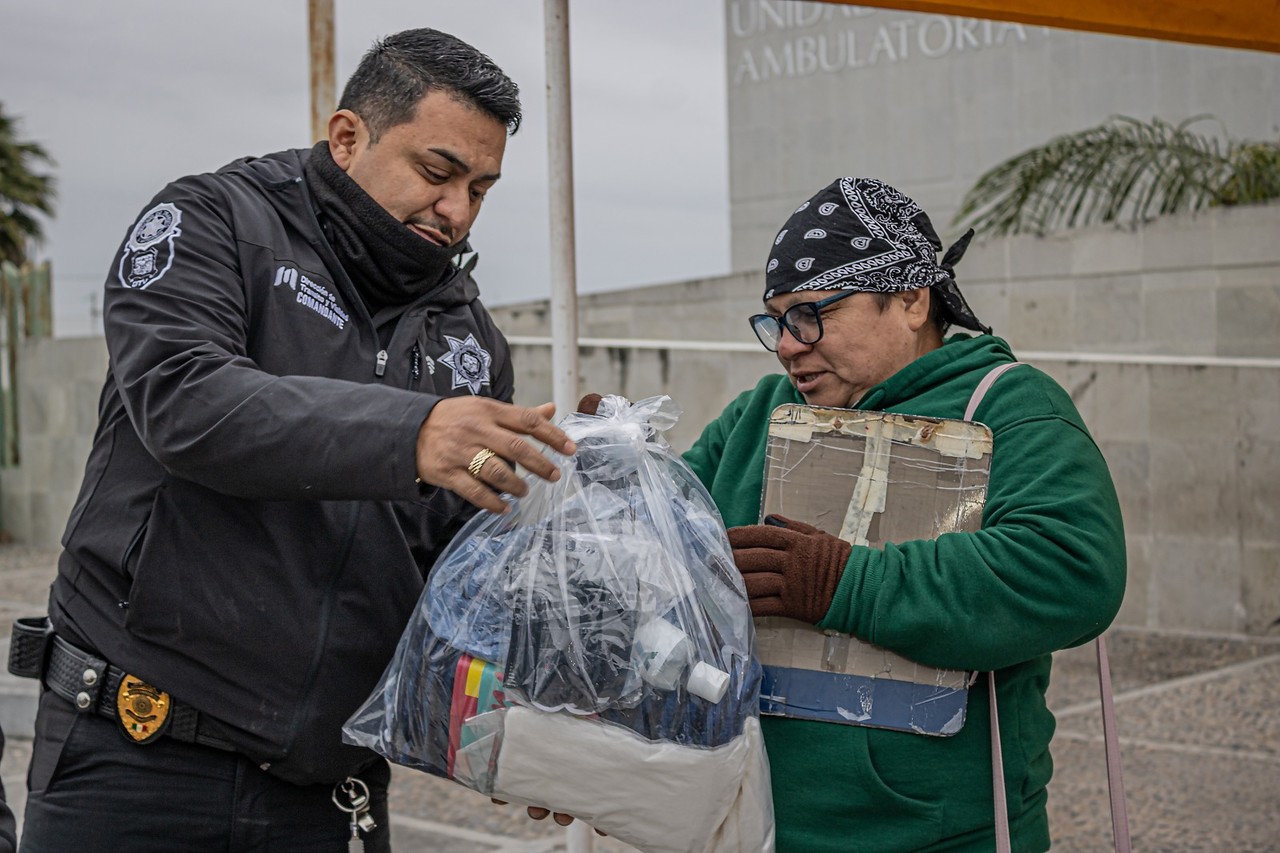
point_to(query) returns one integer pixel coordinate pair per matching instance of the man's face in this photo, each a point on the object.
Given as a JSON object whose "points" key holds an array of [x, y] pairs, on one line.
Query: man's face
{"points": [[861, 346], [432, 172]]}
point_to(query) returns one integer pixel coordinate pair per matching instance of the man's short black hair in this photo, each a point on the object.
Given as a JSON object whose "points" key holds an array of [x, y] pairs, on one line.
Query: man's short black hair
{"points": [[399, 70]]}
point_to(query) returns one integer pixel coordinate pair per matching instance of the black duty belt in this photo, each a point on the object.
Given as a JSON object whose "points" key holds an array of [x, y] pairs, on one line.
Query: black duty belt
{"points": [[88, 682]]}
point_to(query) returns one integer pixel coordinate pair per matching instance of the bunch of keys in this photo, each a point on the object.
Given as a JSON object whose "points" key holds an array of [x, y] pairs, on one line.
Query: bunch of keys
{"points": [[352, 796]]}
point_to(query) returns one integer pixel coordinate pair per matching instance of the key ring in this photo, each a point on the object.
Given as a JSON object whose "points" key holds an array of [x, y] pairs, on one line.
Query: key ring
{"points": [[358, 799]]}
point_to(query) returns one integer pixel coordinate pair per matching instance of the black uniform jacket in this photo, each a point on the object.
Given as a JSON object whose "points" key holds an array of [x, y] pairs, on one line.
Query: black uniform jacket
{"points": [[249, 536]]}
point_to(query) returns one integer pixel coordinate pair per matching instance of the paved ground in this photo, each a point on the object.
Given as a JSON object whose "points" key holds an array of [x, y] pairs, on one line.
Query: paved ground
{"points": [[1198, 719]]}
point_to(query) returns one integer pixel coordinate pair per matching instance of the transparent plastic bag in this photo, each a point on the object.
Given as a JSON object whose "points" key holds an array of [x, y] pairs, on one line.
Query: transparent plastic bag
{"points": [[600, 623]]}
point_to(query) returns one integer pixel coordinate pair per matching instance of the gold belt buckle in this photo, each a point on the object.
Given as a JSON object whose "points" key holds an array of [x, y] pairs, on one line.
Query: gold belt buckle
{"points": [[143, 710]]}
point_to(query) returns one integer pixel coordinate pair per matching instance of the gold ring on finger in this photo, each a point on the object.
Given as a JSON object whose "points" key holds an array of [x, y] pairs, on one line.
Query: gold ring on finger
{"points": [[477, 461]]}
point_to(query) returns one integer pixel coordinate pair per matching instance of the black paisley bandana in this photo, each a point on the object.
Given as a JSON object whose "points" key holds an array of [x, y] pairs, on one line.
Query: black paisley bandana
{"points": [[862, 234]]}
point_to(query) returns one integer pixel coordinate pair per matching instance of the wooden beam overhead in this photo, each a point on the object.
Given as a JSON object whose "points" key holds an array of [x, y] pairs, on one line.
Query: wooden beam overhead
{"points": [[1247, 24]]}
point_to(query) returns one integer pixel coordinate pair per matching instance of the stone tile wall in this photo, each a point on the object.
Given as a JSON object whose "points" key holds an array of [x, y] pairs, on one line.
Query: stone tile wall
{"points": [[1194, 448], [59, 383], [1203, 284]]}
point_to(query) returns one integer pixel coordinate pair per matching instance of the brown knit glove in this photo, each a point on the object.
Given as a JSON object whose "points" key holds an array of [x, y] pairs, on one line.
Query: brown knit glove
{"points": [[790, 568], [588, 404]]}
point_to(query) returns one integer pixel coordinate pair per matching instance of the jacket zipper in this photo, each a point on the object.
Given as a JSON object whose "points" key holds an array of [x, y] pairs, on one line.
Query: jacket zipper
{"points": [[415, 365], [381, 367]]}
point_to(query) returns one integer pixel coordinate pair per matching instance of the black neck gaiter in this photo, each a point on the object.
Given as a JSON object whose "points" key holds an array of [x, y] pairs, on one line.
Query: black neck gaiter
{"points": [[389, 264]]}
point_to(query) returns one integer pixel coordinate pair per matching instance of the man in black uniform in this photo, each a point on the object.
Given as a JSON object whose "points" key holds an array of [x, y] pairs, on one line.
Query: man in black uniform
{"points": [[305, 400]]}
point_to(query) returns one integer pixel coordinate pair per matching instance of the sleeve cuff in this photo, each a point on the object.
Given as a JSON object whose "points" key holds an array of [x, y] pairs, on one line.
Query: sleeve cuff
{"points": [[853, 607]]}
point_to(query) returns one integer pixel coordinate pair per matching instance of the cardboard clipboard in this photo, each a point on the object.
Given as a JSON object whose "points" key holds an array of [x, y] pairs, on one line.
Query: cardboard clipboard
{"points": [[869, 478]]}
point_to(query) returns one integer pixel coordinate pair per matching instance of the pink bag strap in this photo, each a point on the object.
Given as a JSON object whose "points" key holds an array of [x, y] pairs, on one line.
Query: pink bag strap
{"points": [[1110, 736], [985, 385], [997, 773]]}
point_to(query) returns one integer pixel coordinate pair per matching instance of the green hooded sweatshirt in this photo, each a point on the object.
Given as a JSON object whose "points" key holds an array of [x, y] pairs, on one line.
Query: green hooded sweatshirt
{"points": [[1045, 572]]}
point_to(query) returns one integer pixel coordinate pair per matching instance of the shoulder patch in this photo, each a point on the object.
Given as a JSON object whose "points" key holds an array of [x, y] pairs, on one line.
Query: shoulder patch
{"points": [[148, 253]]}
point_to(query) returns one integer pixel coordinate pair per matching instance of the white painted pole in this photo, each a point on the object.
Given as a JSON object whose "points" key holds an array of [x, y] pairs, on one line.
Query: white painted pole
{"points": [[560, 173], [564, 276], [564, 298]]}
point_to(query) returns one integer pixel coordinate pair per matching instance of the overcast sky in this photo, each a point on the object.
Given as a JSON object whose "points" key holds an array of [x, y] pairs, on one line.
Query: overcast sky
{"points": [[127, 95]]}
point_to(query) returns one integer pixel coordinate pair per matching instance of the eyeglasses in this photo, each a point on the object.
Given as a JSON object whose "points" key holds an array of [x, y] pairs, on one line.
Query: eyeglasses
{"points": [[803, 320]]}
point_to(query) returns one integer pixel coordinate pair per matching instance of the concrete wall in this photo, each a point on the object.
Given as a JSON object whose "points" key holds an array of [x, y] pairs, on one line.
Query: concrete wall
{"points": [[1195, 455], [1187, 285], [59, 381], [1168, 339], [929, 102], [686, 313], [1191, 285]]}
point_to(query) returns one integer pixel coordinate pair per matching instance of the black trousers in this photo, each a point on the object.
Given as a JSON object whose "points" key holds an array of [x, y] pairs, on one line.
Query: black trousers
{"points": [[90, 789]]}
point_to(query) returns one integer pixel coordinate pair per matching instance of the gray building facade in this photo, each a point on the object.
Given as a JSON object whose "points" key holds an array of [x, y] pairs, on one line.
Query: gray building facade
{"points": [[1167, 335], [930, 102]]}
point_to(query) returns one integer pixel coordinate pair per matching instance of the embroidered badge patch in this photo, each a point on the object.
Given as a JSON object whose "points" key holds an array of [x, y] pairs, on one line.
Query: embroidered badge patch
{"points": [[148, 253], [469, 362]]}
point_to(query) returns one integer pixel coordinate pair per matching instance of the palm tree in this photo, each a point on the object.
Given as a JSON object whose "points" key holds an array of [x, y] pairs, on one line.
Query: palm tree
{"points": [[23, 192], [1122, 170]]}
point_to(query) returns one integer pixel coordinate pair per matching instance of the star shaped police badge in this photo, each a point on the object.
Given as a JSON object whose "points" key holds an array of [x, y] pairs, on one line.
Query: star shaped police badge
{"points": [[470, 363]]}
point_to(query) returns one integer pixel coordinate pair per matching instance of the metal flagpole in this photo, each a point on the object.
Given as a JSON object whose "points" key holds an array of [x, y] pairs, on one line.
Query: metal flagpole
{"points": [[564, 286], [323, 87]]}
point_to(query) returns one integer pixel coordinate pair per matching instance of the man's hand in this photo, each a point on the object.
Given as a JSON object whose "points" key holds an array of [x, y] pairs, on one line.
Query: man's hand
{"points": [[790, 568], [453, 440]]}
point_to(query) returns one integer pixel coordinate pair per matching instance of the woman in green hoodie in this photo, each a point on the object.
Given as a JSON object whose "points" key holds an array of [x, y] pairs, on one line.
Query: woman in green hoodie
{"points": [[857, 309]]}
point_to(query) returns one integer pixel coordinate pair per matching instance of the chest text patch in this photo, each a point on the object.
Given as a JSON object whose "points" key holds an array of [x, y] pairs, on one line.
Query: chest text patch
{"points": [[311, 294]]}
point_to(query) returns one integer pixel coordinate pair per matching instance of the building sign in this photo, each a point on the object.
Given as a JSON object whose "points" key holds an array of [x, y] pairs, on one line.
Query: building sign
{"points": [[824, 38]]}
